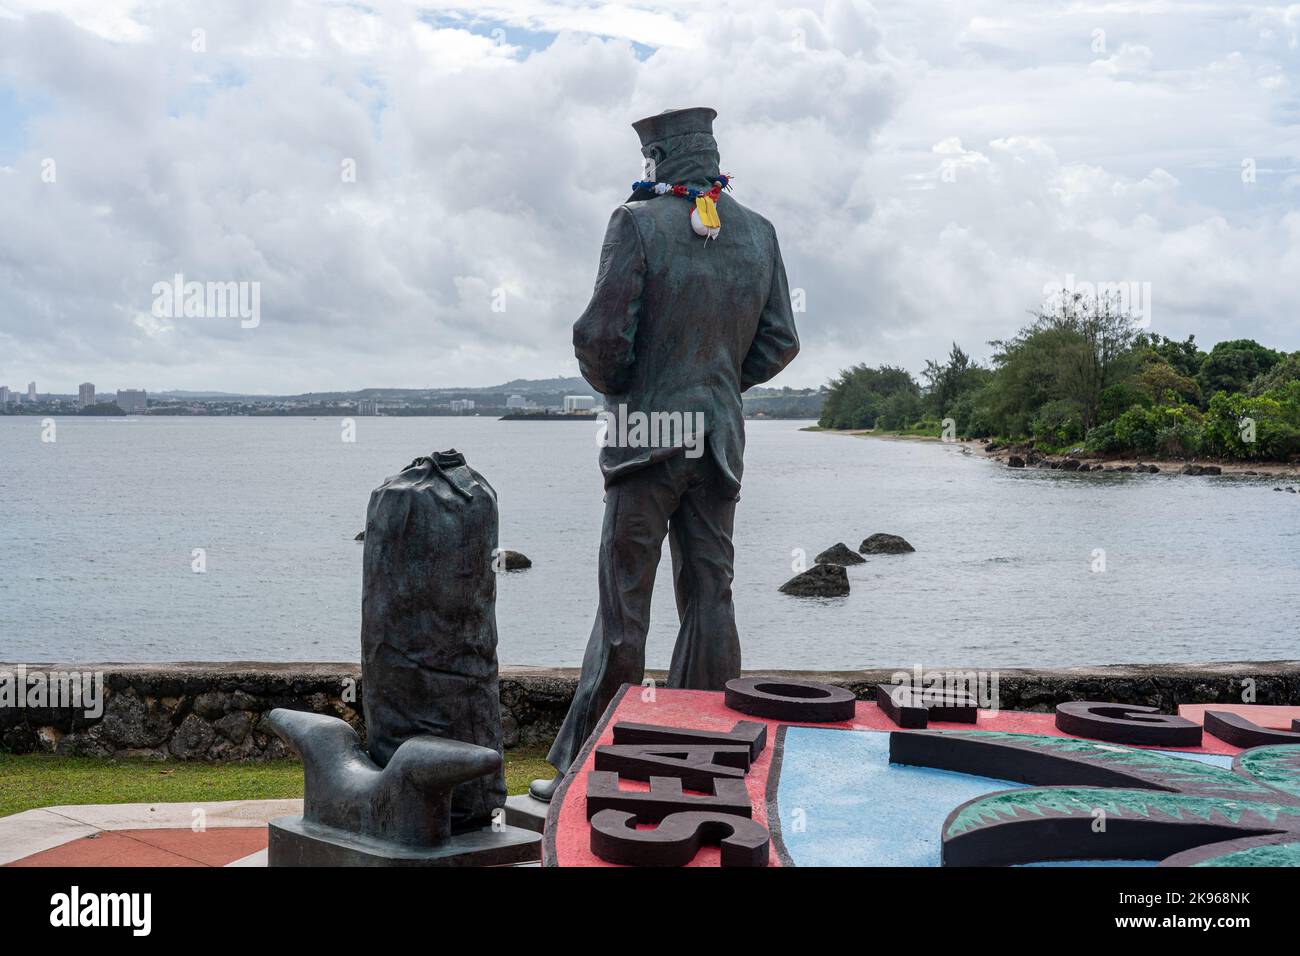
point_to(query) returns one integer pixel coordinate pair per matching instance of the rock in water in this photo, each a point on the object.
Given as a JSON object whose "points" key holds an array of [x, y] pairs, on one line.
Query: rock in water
{"points": [[514, 560], [885, 544], [1015, 461], [840, 554], [361, 536], [821, 580], [428, 619]]}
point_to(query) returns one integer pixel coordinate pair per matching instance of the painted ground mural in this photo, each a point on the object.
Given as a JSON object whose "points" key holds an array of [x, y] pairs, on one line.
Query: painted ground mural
{"points": [[705, 779]]}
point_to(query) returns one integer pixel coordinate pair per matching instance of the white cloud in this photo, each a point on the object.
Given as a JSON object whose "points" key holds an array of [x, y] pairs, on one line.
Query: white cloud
{"points": [[491, 141]]}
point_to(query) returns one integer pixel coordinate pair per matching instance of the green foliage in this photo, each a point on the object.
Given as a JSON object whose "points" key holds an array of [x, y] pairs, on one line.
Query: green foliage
{"points": [[1231, 366], [1102, 440], [1172, 431], [1119, 398], [1073, 352], [1263, 427], [969, 412], [1185, 358], [948, 383], [899, 410], [862, 397], [42, 780], [783, 406], [1059, 421], [1280, 375], [1080, 372], [1161, 382]]}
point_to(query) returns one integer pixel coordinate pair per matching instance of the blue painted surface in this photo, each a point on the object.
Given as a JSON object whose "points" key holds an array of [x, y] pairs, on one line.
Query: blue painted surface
{"points": [[842, 804], [1218, 760]]}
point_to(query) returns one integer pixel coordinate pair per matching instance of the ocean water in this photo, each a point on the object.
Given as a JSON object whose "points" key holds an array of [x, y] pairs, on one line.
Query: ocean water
{"points": [[98, 532]]}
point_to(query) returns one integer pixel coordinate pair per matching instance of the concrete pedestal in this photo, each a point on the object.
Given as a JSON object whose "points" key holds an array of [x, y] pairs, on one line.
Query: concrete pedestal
{"points": [[295, 842], [526, 811]]}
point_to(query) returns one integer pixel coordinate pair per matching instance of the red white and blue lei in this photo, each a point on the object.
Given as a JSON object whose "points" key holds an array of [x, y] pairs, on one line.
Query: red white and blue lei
{"points": [[704, 214]]}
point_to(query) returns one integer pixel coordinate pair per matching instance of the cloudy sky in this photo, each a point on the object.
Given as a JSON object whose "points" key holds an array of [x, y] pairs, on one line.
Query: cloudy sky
{"points": [[930, 167]]}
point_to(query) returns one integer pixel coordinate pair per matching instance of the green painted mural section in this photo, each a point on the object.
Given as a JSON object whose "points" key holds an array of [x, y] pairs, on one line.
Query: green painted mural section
{"points": [[1159, 768], [1147, 804], [1279, 854], [1277, 766]]}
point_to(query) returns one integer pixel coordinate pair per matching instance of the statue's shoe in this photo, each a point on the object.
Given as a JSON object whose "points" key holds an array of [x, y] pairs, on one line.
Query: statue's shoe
{"points": [[545, 789]]}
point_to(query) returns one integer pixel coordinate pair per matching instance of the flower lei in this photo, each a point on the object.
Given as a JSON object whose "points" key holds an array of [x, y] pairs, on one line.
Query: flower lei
{"points": [[704, 215]]}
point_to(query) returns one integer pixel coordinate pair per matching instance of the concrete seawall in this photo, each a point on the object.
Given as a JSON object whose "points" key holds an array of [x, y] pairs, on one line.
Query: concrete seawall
{"points": [[215, 711]]}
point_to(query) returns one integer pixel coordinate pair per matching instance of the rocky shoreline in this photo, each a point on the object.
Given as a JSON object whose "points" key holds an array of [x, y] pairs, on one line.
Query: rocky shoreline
{"points": [[1005, 451], [1023, 455], [217, 711]]}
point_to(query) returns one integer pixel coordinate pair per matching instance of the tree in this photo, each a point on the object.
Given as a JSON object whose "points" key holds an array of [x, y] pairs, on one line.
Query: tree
{"points": [[858, 396], [1267, 426], [1072, 352], [1281, 374], [1101, 350], [1185, 357], [1232, 365], [947, 383], [1164, 384]]}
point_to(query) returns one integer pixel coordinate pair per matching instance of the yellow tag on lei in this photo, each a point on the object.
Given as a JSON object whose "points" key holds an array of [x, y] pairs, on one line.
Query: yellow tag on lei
{"points": [[708, 211]]}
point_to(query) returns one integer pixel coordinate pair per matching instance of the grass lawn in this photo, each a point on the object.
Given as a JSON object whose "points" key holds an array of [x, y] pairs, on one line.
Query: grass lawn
{"points": [[41, 780]]}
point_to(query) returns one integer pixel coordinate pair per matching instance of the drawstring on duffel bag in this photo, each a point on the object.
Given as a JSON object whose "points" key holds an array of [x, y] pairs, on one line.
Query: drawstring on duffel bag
{"points": [[432, 460]]}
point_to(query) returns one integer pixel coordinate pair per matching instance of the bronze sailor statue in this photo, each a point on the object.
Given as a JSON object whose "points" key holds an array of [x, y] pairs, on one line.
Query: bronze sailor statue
{"points": [[691, 307]]}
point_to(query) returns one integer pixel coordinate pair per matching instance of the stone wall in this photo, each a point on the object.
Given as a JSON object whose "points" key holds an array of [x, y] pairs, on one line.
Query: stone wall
{"points": [[216, 711]]}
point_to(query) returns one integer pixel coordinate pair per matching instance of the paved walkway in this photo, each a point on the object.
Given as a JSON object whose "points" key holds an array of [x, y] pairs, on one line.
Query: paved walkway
{"points": [[227, 833]]}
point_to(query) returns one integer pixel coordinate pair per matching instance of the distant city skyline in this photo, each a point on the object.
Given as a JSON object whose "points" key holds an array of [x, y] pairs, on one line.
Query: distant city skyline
{"points": [[101, 390]]}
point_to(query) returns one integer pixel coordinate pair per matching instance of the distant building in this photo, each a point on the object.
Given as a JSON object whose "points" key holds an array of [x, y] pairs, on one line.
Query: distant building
{"points": [[462, 404], [133, 401], [5, 395], [31, 391], [86, 394], [367, 407], [578, 403], [516, 401]]}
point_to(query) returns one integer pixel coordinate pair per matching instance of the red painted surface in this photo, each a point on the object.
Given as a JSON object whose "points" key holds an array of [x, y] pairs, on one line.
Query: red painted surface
{"points": [[215, 847], [705, 710], [1272, 716]]}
